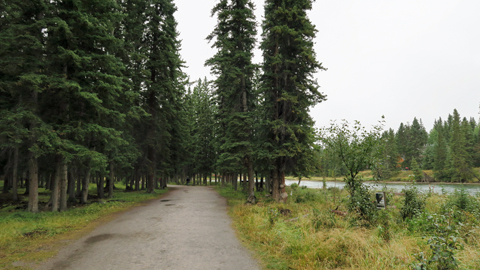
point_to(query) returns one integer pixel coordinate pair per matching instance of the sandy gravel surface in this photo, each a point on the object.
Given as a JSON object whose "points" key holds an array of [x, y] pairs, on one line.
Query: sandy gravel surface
{"points": [[187, 229]]}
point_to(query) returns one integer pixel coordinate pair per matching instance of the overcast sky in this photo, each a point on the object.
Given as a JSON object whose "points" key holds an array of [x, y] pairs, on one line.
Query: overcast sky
{"points": [[398, 58]]}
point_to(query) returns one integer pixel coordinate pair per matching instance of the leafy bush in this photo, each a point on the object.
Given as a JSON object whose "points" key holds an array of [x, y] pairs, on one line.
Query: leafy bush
{"points": [[414, 202], [461, 200], [361, 203], [443, 244], [294, 186]]}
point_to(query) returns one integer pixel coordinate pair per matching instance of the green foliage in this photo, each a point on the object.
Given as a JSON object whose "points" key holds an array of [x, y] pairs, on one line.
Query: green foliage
{"points": [[289, 88], [357, 148], [306, 195], [443, 244], [362, 204], [414, 202], [462, 201]]}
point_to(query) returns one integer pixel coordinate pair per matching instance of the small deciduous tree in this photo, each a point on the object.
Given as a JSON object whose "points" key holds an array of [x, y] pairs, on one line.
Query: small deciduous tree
{"points": [[358, 149]]}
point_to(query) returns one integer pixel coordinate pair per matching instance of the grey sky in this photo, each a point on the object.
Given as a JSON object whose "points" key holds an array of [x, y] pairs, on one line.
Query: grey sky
{"points": [[398, 58]]}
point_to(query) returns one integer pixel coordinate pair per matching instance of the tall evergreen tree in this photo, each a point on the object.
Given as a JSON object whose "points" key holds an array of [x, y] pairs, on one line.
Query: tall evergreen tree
{"points": [[290, 89], [402, 138], [440, 152], [22, 80], [461, 168], [161, 95], [418, 141], [234, 37]]}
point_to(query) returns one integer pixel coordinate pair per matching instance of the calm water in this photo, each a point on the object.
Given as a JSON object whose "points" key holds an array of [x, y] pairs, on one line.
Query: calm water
{"points": [[437, 188]]}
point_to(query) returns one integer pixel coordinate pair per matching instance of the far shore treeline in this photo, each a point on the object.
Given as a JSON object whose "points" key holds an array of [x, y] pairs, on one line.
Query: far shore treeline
{"points": [[94, 92]]}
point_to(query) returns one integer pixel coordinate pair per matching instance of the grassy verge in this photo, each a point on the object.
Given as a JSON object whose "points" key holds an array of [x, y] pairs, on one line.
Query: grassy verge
{"points": [[304, 234], [27, 239]]}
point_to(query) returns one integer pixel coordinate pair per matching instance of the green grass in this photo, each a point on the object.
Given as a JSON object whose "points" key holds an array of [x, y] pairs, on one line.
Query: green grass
{"points": [[310, 236], [31, 238]]}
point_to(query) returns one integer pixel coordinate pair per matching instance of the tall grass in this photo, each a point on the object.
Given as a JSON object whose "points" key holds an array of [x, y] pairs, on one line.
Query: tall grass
{"points": [[310, 236]]}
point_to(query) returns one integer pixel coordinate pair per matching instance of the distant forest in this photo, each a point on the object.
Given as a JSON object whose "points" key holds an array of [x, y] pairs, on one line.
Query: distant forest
{"points": [[451, 150]]}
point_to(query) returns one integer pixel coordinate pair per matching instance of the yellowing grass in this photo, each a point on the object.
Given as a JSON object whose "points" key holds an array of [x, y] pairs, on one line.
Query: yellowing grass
{"points": [[311, 237]]}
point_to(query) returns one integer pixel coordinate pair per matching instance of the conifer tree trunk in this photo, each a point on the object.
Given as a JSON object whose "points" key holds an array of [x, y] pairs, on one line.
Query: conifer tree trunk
{"points": [[251, 184], [86, 183], [100, 186], [56, 184], [137, 179], [111, 182], [275, 185], [15, 174], [71, 185], [33, 183], [79, 178], [63, 186]]}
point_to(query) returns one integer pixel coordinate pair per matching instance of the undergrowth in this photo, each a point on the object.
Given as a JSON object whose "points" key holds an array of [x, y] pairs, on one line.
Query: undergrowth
{"points": [[430, 231]]}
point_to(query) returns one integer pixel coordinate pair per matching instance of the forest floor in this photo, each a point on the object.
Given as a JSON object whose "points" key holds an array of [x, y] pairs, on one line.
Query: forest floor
{"points": [[188, 228]]}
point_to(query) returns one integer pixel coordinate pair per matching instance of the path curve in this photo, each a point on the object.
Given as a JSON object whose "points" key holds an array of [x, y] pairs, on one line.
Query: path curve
{"points": [[187, 229]]}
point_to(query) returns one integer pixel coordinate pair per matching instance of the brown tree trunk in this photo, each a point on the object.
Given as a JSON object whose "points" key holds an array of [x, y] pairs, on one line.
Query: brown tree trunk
{"points": [[56, 184], [235, 181], [86, 183], [63, 186], [100, 186], [80, 181], [111, 181], [71, 185], [275, 186], [251, 183], [33, 183], [283, 192], [152, 169], [15, 175]]}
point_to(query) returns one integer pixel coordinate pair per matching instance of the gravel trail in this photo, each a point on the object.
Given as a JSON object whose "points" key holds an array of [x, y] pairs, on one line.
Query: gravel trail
{"points": [[187, 229]]}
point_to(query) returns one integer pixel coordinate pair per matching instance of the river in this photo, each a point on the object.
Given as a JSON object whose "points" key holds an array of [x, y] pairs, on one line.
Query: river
{"points": [[438, 188]]}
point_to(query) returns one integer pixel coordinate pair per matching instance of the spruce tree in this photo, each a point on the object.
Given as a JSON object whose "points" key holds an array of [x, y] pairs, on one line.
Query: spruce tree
{"points": [[22, 80], [288, 84], [440, 152], [161, 97], [234, 39], [461, 168], [418, 140]]}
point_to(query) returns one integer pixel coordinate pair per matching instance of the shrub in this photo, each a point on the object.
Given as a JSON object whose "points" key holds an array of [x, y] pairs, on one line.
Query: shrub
{"points": [[414, 202], [443, 244], [294, 186], [361, 203]]}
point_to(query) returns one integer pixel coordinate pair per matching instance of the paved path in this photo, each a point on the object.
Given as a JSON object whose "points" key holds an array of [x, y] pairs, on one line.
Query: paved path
{"points": [[187, 229]]}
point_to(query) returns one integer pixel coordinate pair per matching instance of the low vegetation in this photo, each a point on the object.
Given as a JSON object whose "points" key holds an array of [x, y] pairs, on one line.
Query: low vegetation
{"points": [[313, 230], [28, 238]]}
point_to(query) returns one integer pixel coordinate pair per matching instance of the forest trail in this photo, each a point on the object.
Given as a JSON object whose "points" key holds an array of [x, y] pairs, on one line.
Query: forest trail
{"points": [[187, 229]]}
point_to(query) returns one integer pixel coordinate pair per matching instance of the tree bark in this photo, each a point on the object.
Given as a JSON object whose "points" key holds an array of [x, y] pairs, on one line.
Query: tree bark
{"points": [[71, 185], [56, 184], [63, 186], [111, 182], [275, 186], [100, 186], [251, 183], [33, 183], [15, 174], [283, 192], [86, 183]]}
